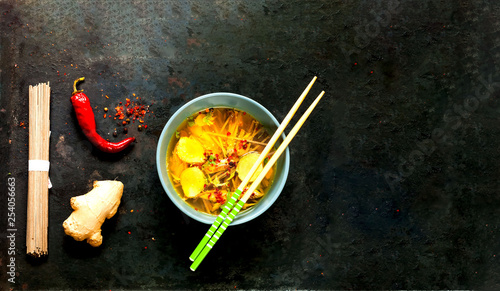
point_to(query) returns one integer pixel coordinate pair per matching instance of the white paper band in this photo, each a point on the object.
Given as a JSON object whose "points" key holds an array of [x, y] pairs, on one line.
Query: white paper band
{"points": [[38, 165]]}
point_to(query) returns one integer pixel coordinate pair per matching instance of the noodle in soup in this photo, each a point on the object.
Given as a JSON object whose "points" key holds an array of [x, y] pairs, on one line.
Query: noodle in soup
{"points": [[210, 154]]}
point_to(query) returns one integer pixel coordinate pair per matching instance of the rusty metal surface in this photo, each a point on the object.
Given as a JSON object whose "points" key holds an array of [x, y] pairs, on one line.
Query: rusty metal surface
{"points": [[393, 181]]}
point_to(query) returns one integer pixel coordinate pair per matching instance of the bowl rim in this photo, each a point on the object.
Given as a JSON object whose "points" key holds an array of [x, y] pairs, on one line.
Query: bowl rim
{"points": [[255, 212]]}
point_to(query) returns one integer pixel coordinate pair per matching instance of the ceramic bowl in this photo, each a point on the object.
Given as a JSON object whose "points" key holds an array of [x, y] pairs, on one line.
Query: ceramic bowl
{"points": [[221, 100]]}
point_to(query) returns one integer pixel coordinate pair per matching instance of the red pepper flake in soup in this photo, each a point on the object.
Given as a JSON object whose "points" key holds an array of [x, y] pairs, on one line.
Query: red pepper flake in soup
{"points": [[219, 197]]}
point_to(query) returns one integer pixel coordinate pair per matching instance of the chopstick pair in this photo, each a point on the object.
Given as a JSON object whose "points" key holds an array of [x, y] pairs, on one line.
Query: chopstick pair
{"points": [[224, 219]]}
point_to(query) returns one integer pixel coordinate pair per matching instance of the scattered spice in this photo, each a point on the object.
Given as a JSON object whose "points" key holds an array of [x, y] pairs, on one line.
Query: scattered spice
{"points": [[119, 112], [129, 112]]}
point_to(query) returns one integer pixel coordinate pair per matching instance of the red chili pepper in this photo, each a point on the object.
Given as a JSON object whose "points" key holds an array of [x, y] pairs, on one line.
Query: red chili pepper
{"points": [[86, 120]]}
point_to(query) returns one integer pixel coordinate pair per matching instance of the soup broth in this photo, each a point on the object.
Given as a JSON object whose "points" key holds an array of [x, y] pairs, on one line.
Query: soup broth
{"points": [[210, 154]]}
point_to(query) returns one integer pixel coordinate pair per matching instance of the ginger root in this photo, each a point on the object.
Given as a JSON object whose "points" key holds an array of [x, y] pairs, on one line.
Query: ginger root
{"points": [[245, 165], [91, 209], [190, 150], [192, 182]]}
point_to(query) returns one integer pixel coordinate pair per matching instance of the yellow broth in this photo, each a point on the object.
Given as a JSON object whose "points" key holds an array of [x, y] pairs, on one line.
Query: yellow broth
{"points": [[227, 136]]}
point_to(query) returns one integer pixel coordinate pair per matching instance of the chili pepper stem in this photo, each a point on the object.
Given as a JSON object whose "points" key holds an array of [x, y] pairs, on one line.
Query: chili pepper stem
{"points": [[74, 85]]}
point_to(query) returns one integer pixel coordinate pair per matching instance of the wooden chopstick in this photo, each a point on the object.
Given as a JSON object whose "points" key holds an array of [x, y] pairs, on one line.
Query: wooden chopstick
{"points": [[237, 193], [229, 218]]}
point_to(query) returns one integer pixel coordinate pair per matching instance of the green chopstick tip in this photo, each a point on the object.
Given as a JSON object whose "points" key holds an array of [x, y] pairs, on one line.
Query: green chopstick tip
{"points": [[192, 260]]}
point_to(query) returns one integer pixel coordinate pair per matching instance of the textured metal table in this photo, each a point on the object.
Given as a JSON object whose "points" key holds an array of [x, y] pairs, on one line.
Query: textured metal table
{"points": [[393, 181]]}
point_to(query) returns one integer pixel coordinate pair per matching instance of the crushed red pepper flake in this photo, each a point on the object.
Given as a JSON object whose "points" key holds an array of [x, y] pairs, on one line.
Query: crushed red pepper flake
{"points": [[219, 196], [119, 112], [131, 111]]}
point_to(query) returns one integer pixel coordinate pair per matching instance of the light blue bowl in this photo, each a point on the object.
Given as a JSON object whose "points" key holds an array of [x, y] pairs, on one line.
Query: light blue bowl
{"points": [[221, 100]]}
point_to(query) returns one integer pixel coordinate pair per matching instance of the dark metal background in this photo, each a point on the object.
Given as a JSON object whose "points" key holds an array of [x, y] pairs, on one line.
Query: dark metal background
{"points": [[393, 181]]}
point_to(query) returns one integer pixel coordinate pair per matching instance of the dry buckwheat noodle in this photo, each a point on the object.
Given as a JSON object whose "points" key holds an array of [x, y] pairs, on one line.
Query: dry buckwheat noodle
{"points": [[38, 204]]}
